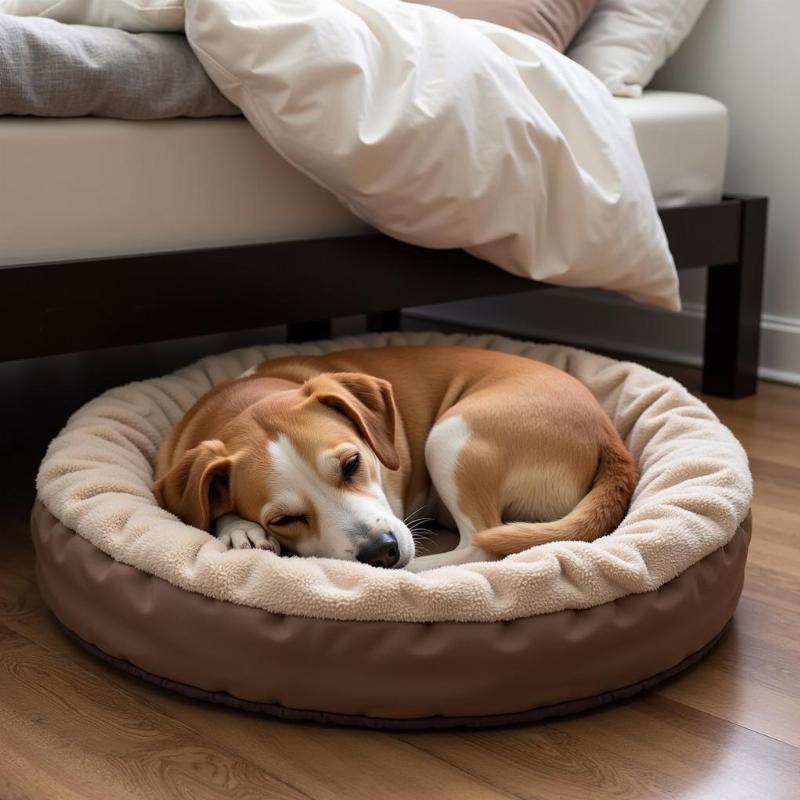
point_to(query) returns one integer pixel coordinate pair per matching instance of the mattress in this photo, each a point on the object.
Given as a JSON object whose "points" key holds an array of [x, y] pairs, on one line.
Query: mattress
{"points": [[683, 140], [91, 187]]}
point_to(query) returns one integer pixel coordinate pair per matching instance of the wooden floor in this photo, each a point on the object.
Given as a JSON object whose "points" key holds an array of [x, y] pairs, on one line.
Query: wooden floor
{"points": [[71, 727]]}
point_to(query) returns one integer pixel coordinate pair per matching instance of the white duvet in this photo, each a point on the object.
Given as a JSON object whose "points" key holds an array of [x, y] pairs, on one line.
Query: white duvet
{"points": [[439, 131]]}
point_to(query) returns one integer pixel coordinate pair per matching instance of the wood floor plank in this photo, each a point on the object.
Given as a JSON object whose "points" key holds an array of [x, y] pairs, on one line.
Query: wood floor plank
{"points": [[23, 779], [722, 689], [764, 627], [650, 747], [331, 763], [100, 743], [773, 586]]}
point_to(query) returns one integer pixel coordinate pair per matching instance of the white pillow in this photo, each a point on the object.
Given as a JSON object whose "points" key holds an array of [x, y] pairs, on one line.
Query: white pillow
{"points": [[129, 15], [624, 42]]}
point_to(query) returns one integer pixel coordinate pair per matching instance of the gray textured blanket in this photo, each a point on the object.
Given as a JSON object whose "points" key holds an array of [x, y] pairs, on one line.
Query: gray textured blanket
{"points": [[49, 69]]}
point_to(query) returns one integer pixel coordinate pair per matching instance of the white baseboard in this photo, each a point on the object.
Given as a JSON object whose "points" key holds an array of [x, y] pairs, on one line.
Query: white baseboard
{"points": [[607, 322]]}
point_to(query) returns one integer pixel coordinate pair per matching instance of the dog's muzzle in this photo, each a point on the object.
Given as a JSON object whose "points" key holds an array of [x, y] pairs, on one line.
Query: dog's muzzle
{"points": [[382, 551]]}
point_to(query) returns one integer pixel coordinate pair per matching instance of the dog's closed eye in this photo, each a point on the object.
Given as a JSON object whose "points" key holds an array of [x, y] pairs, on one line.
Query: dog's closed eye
{"points": [[287, 519], [350, 467]]}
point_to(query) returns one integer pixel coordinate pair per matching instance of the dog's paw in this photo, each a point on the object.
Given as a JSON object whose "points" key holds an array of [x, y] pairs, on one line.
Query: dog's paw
{"points": [[241, 534]]}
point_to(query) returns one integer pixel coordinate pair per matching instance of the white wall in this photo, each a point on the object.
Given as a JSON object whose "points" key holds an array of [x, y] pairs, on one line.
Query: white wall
{"points": [[745, 53]]}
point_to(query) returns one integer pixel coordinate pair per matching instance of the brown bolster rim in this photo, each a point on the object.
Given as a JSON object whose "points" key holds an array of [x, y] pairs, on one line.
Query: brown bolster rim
{"points": [[384, 674], [414, 724]]}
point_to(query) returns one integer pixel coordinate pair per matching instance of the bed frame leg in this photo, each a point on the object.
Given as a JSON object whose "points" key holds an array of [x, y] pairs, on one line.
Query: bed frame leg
{"points": [[733, 310], [309, 331], [382, 321]]}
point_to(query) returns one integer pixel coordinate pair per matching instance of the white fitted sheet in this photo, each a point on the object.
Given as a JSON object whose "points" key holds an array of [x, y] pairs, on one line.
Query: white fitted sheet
{"points": [[90, 187], [683, 139]]}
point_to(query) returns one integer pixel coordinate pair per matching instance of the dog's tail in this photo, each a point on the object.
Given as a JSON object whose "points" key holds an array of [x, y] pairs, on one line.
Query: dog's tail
{"points": [[598, 513]]}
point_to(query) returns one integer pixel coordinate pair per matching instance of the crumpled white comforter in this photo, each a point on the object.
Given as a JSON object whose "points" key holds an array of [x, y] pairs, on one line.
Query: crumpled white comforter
{"points": [[439, 131]]}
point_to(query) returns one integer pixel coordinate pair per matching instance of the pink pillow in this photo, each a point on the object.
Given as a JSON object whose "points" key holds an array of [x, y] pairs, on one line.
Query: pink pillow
{"points": [[554, 21]]}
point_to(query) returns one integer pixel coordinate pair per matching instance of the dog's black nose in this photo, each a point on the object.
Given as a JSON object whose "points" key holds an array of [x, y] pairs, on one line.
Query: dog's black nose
{"points": [[382, 551]]}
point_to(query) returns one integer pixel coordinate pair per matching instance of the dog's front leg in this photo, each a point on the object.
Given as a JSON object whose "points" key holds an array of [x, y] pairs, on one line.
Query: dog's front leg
{"points": [[452, 458], [241, 534]]}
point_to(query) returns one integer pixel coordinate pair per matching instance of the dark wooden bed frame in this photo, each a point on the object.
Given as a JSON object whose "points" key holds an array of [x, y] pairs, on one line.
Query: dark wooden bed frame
{"points": [[68, 306]]}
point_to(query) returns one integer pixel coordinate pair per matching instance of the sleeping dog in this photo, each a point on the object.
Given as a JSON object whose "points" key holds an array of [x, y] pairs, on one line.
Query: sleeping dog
{"points": [[326, 456]]}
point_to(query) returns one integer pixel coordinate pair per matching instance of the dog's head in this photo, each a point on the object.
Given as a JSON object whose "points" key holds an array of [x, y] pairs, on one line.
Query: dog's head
{"points": [[303, 461]]}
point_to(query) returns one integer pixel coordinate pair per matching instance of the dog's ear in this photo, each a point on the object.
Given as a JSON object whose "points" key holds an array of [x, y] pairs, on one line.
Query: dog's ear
{"points": [[368, 403], [197, 488]]}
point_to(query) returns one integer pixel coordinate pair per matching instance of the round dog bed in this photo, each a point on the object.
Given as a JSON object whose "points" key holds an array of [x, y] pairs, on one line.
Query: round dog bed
{"points": [[552, 630]]}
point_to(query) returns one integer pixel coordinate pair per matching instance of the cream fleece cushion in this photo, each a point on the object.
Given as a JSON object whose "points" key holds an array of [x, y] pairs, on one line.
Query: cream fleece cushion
{"points": [[694, 491]]}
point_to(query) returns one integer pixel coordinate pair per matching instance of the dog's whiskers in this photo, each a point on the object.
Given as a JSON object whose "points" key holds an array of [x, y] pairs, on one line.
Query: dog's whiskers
{"points": [[420, 534], [410, 517], [410, 521]]}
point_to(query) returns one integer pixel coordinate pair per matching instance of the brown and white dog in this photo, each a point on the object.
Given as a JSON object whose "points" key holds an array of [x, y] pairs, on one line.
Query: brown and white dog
{"points": [[326, 455]]}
